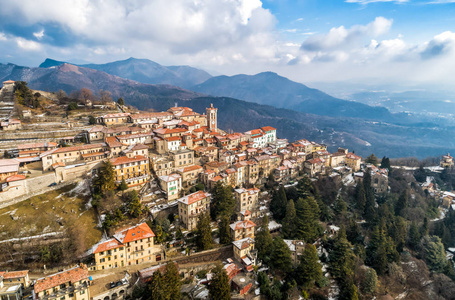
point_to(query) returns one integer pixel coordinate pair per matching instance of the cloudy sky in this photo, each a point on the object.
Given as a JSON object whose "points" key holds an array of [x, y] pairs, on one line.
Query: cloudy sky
{"points": [[407, 42]]}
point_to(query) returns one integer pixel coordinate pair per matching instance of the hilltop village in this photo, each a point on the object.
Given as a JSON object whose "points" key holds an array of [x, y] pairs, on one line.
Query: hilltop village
{"points": [[158, 181]]}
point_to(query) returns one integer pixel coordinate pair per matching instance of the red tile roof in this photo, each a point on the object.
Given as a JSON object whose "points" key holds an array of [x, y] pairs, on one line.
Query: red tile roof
{"points": [[14, 274], [139, 232], [108, 245], [72, 275], [15, 178], [125, 159], [194, 197], [78, 148], [268, 128]]}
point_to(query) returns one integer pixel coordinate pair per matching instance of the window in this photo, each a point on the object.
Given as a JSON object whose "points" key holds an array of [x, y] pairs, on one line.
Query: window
{"points": [[82, 292]]}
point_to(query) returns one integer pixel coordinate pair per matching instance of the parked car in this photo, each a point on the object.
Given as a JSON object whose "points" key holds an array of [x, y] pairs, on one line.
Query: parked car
{"points": [[53, 184]]}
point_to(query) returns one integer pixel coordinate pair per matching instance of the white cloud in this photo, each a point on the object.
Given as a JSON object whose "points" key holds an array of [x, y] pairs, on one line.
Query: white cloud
{"points": [[2, 36], [28, 45], [341, 36], [39, 35]]}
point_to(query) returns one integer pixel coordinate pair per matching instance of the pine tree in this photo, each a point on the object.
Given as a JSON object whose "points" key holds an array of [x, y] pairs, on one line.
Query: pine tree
{"points": [[204, 232], [154, 289], [134, 204], [435, 254], [309, 269], [281, 255], [123, 185], [370, 282], [425, 228], [172, 282], [224, 229], [307, 224], [372, 159], [264, 241], [360, 198], [381, 250], [290, 221], [353, 233], [385, 163], [219, 288], [401, 204], [223, 202], [413, 236], [120, 101], [341, 257], [278, 204], [105, 180], [348, 290], [340, 208]]}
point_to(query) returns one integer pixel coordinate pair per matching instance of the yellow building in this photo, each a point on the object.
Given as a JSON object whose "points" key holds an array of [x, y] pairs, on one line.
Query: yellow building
{"points": [[191, 206], [71, 284], [353, 161], [114, 119], [75, 154], [135, 170], [171, 185], [246, 199], [128, 247]]}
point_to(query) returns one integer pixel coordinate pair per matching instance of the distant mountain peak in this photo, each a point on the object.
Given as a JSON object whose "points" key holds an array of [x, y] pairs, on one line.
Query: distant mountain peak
{"points": [[49, 62]]}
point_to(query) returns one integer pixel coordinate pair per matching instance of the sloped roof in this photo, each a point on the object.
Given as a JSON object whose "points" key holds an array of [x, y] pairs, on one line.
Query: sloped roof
{"points": [[72, 275]]}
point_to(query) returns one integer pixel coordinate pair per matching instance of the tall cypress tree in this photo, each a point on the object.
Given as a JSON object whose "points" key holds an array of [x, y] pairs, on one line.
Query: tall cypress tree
{"points": [[413, 236], [306, 224], [204, 232], [223, 202], [154, 289], [264, 241], [172, 281], [278, 204], [341, 257], [309, 269], [219, 288], [360, 198], [281, 255], [224, 229], [290, 221], [401, 203]]}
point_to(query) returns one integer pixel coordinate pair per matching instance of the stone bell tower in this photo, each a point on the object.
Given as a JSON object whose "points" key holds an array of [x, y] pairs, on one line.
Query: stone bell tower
{"points": [[212, 118]]}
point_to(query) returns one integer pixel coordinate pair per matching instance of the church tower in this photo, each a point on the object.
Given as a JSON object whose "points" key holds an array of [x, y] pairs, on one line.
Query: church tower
{"points": [[212, 118]]}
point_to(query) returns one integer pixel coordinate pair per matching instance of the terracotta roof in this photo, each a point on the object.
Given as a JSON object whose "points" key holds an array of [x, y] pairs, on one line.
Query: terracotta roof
{"points": [[8, 82], [72, 275], [125, 159], [254, 132], [190, 168], [112, 142], [140, 147], [108, 245], [92, 154], [139, 232], [268, 128], [194, 197], [169, 178], [243, 243], [242, 224], [15, 178], [172, 138], [169, 131], [14, 274], [353, 156]]}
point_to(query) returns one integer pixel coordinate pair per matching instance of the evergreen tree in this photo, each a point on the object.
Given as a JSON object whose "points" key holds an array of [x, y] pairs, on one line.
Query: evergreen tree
{"points": [[264, 241], [341, 257], [224, 229], [120, 101], [372, 159], [154, 289], [204, 232], [401, 204], [425, 228], [123, 185], [223, 202], [398, 232], [370, 204], [281, 255], [91, 120], [278, 204], [385, 163], [353, 233], [434, 252], [413, 236], [307, 223], [370, 282], [105, 180], [290, 220], [381, 250], [340, 208], [360, 198], [172, 281], [348, 290], [309, 269], [219, 288], [134, 204]]}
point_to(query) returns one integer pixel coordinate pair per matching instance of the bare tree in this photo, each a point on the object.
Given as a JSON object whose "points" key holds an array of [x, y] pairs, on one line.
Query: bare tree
{"points": [[105, 96]]}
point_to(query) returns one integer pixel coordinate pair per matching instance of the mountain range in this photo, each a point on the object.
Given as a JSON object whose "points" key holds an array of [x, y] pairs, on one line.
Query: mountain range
{"points": [[383, 133], [145, 71]]}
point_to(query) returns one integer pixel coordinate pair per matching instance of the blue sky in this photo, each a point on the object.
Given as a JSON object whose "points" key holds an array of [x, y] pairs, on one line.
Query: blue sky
{"points": [[404, 42]]}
